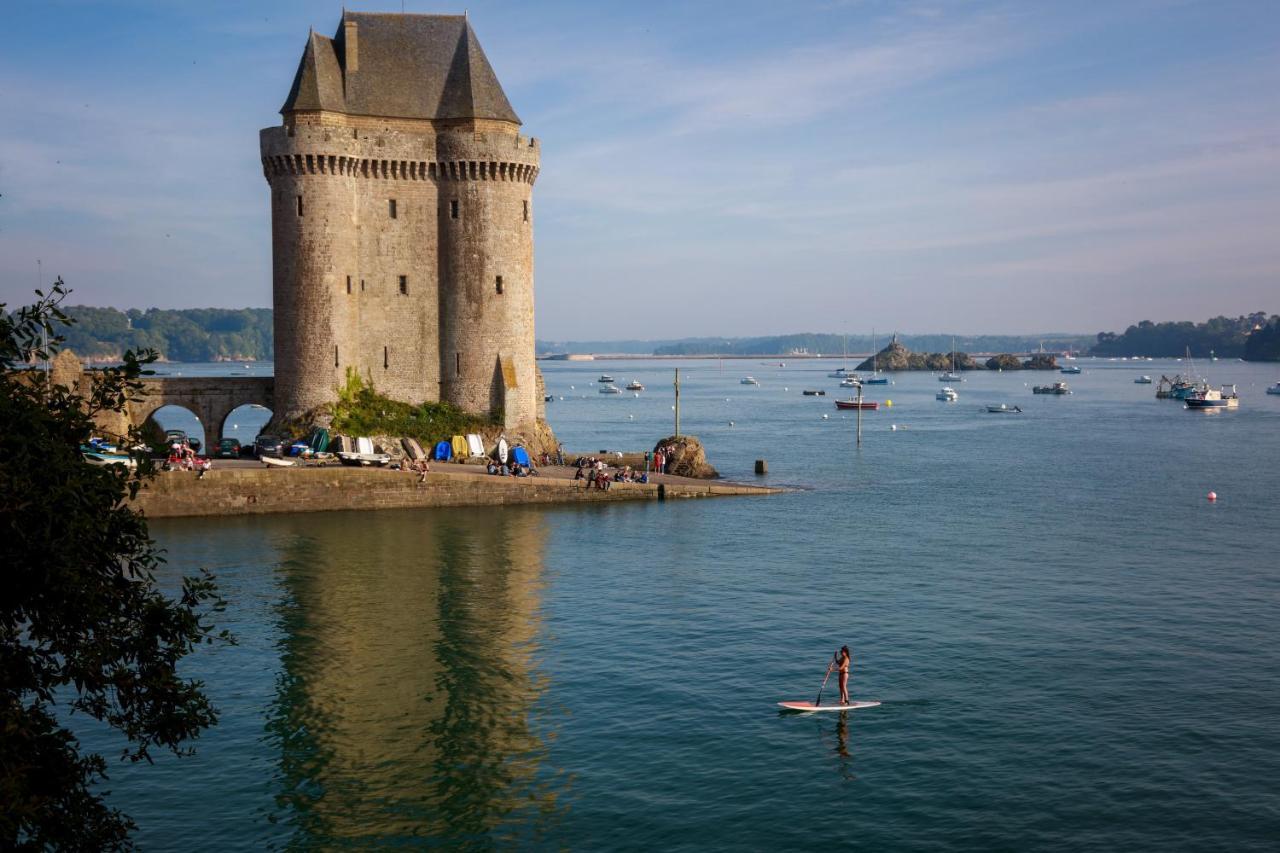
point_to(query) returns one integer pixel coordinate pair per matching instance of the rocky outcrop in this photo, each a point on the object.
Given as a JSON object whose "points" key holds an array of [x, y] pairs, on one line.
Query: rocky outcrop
{"points": [[893, 357], [1004, 361], [1041, 361], [688, 457], [897, 357]]}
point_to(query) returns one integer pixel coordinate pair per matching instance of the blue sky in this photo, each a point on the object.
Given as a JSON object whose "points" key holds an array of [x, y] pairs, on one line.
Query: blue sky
{"points": [[708, 168]]}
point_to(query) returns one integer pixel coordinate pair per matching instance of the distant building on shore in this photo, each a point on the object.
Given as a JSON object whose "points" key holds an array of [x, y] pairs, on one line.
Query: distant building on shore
{"points": [[402, 222]]}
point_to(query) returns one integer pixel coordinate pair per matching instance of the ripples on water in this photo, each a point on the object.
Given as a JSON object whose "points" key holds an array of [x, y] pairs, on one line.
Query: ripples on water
{"points": [[1073, 648]]}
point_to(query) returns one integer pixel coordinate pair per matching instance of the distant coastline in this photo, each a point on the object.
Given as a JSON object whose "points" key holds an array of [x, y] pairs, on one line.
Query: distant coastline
{"points": [[247, 335]]}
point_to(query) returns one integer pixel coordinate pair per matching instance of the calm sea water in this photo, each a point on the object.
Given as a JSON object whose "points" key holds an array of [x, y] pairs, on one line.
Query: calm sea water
{"points": [[1075, 650]]}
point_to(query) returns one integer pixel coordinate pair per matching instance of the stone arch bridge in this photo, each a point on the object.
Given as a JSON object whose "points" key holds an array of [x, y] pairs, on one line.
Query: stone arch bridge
{"points": [[211, 399]]}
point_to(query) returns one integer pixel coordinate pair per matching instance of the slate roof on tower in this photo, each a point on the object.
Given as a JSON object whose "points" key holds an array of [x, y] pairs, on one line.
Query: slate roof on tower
{"points": [[405, 66]]}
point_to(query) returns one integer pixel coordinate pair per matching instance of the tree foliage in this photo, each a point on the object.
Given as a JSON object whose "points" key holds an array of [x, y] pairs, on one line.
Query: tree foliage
{"points": [[1223, 336], [193, 334], [84, 628], [361, 410], [1264, 344]]}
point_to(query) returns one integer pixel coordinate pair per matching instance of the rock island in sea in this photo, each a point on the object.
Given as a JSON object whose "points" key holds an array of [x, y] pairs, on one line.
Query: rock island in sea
{"points": [[896, 357]]}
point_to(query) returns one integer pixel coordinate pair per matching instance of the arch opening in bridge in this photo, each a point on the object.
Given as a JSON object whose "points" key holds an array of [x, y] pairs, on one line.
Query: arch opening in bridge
{"points": [[245, 422], [173, 416]]}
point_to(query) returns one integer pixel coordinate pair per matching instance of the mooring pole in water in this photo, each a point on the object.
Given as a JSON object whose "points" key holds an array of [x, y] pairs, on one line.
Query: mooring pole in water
{"points": [[677, 402], [859, 414]]}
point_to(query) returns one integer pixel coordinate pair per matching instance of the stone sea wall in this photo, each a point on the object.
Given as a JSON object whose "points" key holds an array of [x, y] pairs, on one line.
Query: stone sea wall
{"points": [[256, 491]]}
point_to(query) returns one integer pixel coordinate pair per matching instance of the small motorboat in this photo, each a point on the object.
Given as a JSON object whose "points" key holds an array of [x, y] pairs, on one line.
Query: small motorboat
{"points": [[947, 395], [748, 380], [364, 454], [277, 462], [1142, 380], [869, 405], [1072, 369], [1274, 389], [1004, 409], [851, 382], [634, 386], [604, 377], [103, 458], [1058, 388], [547, 398], [809, 393], [610, 389], [367, 459]]}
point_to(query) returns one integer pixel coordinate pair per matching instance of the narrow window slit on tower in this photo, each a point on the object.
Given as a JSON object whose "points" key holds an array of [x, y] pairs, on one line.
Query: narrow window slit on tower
{"points": [[386, 361], [335, 355], [498, 283], [348, 284], [299, 205], [362, 285], [391, 207], [457, 363], [404, 284], [453, 207], [526, 210]]}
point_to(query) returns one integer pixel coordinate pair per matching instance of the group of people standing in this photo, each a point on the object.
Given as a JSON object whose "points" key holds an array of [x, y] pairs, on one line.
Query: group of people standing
{"points": [[182, 457], [662, 459]]}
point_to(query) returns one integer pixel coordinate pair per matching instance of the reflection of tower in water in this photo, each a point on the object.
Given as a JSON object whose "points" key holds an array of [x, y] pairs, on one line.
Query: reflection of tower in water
{"points": [[406, 703]]}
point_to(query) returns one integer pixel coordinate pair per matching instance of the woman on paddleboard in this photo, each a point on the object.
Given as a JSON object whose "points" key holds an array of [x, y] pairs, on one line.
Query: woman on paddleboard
{"points": [[842, 662]]}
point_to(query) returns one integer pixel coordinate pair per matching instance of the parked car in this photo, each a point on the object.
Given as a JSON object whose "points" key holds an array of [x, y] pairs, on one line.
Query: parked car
{"points": [[228, 448], [267, 445]]}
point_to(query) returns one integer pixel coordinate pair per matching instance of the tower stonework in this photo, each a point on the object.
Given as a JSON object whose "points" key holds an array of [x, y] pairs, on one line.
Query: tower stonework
{"points": [[402, 222]]}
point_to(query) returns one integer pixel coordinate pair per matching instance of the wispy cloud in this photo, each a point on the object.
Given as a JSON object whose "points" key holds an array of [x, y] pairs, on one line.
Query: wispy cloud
{"points": [[978, 166]]}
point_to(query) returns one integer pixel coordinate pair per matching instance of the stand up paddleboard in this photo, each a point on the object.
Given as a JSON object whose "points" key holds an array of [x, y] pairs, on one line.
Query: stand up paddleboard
{"points": [[809, 706]]}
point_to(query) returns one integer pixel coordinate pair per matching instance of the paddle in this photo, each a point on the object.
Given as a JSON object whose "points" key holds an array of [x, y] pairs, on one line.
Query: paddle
{"points": [[824, 680]]}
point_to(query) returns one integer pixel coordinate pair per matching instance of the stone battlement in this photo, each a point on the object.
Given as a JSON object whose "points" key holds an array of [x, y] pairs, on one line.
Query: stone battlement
{"points": [[411, 170]]}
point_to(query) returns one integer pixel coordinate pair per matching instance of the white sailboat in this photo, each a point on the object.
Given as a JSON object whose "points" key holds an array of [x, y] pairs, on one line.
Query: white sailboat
{"points": [[951, 375], [875, 378], [842, 372]]}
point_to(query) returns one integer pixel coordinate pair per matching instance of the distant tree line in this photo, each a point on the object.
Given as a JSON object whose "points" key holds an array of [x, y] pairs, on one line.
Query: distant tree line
{"points": [[192, 334], [1230, 337]]}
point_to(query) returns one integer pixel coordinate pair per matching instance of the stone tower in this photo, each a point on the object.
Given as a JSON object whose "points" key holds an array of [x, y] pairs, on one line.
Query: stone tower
{"points": [[402, 222]]}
